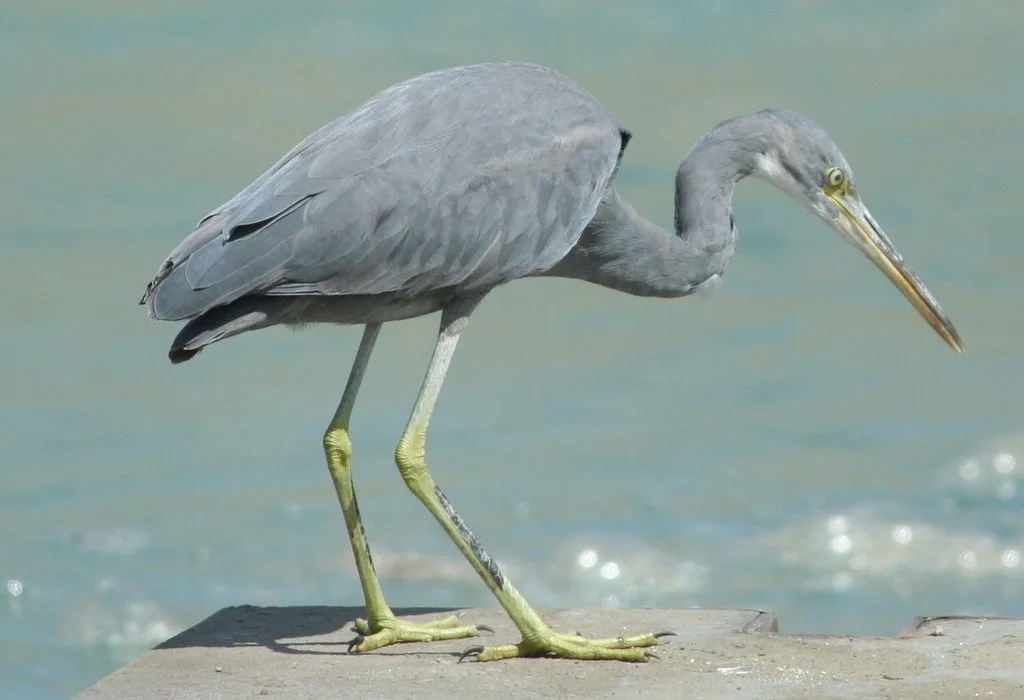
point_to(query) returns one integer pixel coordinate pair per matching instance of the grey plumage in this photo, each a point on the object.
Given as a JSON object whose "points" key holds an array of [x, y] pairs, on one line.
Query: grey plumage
{"points": [[435, 184], [458, 181], [445, 186]]}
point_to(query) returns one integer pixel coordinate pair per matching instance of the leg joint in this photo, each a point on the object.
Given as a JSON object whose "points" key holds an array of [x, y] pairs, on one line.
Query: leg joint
{"points": [[411, 458], [338, 443]]}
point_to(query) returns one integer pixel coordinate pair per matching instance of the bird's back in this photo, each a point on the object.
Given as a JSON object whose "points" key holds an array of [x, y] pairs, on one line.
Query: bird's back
{"points": [[460, 179]]}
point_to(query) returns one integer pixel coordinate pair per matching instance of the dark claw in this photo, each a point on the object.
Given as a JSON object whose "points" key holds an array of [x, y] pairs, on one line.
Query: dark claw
{"points": [[472, 651], [484, 628], [354, 643], [651, 655], [659, 635]]}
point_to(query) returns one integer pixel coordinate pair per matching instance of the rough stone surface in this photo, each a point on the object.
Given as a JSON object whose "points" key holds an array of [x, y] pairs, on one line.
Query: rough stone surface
{"points": [[300, 652]]}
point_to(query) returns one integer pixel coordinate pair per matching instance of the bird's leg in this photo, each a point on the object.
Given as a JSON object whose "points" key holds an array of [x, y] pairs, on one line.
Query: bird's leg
{"points": [[380, 623], [538, 638]]}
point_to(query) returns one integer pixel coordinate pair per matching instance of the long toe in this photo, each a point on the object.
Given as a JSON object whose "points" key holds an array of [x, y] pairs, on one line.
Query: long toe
{"points": [[395, 630], [568, 646]]}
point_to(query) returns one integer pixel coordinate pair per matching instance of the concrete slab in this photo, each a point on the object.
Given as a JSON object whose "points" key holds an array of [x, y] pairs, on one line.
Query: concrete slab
{"points": [[299, 652]]}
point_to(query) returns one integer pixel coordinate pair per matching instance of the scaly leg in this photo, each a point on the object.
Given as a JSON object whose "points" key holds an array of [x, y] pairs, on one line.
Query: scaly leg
{"points": [[538, 638], [380, 627]]}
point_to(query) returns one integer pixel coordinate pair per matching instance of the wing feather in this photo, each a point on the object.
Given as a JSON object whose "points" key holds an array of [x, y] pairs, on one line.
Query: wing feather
{"points": [[462, 179]]}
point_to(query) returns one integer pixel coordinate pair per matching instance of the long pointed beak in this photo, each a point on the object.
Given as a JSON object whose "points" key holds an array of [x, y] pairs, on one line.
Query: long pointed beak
{"points": [[857, 225]]}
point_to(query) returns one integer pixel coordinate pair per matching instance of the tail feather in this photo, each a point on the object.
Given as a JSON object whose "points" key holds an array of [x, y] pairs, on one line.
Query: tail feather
{"points": [[245, 314]]}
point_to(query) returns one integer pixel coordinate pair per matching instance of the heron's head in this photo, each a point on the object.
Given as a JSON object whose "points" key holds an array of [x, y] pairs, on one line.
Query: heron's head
{"points": [[799, 157]]}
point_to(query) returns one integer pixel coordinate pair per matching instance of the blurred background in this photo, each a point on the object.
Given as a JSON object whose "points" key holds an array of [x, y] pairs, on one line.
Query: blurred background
{"points": [[799, 442]]}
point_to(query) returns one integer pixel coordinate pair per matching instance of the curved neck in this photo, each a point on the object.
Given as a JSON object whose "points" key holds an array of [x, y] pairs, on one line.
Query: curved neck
{"points": [[622, 250]]}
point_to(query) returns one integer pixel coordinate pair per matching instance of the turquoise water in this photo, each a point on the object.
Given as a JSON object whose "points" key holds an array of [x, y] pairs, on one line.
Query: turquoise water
{"points": [[800, 441]]}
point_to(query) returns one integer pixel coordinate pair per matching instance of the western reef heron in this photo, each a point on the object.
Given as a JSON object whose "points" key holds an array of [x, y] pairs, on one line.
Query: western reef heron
{"points": [[438, 190]]}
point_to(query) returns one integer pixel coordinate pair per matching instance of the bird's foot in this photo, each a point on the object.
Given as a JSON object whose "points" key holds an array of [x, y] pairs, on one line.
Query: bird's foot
{"points": [[570, 646], [393, 630]]}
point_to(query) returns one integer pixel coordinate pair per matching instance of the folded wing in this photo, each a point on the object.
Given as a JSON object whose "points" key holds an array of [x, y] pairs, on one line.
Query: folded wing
{"points": [[461, 179]]}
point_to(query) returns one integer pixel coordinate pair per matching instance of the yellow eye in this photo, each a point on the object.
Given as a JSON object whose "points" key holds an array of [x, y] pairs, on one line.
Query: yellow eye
{"points": [[835, 177]]}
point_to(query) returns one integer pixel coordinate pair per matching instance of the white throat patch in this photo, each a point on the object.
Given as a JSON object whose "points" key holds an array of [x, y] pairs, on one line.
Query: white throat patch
{"points": [[770, 169]]}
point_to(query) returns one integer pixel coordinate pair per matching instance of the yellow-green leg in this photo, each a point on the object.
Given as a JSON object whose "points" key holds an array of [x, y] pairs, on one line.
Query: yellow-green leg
{"points": [[538, 639], [381, 627]]}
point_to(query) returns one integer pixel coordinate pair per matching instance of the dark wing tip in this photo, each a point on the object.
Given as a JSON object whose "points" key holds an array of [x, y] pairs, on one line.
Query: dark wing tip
{"points": [[179, 355]]}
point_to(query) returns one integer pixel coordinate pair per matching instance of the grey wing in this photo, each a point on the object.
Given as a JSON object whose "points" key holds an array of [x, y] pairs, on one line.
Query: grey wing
{"points": [[412, 193]]}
